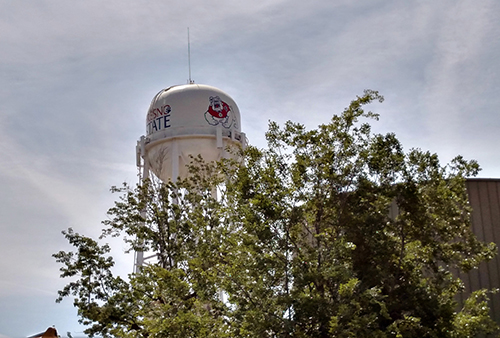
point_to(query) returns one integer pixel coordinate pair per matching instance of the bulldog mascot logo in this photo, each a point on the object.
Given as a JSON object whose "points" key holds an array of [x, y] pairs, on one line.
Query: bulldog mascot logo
{"points": [[220, 112]]}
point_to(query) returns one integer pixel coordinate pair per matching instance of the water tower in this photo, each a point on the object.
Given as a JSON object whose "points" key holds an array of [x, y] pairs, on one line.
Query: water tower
{"points": [[184, 121]]}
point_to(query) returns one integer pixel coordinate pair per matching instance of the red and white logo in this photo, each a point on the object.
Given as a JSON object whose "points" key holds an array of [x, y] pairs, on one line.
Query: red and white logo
{"points": [[219, 112]]}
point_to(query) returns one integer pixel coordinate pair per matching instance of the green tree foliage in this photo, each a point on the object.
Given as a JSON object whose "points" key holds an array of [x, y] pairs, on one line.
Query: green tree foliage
{"points": [[298, 243]]}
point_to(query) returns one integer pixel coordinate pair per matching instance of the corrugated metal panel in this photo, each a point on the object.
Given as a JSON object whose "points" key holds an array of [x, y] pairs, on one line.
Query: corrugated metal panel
{"points": [[485, 201], [484, 198]]}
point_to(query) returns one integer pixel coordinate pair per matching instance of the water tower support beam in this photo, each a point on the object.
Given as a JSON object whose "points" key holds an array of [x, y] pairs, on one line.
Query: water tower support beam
{"points": [[175, 161], [143, 166]]}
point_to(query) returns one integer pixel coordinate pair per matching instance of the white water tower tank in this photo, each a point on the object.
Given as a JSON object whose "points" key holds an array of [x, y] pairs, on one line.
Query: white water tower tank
{"points": [[184, 120]]}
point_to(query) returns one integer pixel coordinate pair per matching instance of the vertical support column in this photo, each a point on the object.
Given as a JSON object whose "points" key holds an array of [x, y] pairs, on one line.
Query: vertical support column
{"points": [[219, 141], [175, 161], [175, 174], [143, 166], [215, 196]]}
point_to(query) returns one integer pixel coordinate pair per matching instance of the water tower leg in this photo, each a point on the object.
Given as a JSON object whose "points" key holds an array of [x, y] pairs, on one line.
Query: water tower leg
{"points": [[143, 164], [175, 161], [175, 174]]}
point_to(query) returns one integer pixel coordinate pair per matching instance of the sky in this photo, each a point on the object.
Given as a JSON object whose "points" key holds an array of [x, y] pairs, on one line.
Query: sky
{"points": [[77, 78]]}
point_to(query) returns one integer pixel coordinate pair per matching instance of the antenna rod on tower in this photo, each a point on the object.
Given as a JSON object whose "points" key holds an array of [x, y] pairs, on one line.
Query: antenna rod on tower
{"points": [[189, 59]]}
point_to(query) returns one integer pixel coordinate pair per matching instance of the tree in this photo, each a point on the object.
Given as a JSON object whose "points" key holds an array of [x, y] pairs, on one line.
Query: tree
{"points": [[298, 242]]}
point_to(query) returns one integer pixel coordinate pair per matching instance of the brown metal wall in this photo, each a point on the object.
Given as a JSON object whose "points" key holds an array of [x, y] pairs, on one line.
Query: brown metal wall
{"points": [[484, 197]]}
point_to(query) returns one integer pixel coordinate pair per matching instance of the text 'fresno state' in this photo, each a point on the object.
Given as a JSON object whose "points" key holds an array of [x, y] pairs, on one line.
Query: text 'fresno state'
{"points": [[158, 119]]}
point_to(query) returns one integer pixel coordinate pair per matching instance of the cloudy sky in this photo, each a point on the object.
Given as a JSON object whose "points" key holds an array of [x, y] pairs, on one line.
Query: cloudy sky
{"points": [[77, 77]]}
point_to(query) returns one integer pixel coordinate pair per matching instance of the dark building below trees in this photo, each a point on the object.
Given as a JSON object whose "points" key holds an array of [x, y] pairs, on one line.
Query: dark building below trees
{"points": [[484, 197]]}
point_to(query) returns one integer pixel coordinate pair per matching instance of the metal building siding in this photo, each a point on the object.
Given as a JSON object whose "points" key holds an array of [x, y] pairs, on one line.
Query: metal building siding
{"points": [[484, 198]]}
